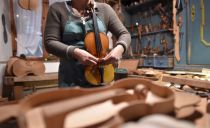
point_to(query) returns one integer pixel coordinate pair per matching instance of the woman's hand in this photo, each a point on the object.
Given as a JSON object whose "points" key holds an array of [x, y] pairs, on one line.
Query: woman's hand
{"points": [[114, 56], [84, 57]]}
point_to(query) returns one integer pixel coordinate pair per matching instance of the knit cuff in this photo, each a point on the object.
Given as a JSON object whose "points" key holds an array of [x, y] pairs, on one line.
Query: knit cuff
{"points": [[69, 51], [124, 44]]}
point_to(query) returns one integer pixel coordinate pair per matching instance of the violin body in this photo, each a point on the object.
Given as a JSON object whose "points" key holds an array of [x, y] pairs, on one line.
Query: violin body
{"points": [[23, 67], [90, 44], [19, 67], [92, 73]]}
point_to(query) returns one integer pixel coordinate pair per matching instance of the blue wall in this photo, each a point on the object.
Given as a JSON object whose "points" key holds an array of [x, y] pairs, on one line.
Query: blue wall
{"points": [[194, 54]]}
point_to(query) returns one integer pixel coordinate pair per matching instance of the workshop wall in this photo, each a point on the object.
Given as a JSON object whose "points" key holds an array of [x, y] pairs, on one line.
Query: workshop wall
{"points": [[194, 45], [5, 39], [194, 48], [150, 28]]}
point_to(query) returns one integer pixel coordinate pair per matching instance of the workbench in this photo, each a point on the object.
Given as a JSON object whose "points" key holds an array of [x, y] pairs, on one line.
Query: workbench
{"points": [[13, 87]]}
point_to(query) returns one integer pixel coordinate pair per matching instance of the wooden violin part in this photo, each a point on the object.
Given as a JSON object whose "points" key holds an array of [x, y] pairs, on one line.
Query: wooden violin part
{"points": [[28, 4], [25, 67], [22, 67]]}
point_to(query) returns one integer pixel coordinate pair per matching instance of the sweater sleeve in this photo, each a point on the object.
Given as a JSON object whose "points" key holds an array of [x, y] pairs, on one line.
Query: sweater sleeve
{"points": [[52, 37], [116, 27]]}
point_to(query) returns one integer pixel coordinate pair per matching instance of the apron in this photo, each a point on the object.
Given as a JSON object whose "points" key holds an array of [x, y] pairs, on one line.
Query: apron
{"points": [[71, 72]]}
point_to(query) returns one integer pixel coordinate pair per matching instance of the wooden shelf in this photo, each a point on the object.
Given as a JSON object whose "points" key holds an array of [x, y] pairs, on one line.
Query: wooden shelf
{"points": [[152, 33], [132, 9]]}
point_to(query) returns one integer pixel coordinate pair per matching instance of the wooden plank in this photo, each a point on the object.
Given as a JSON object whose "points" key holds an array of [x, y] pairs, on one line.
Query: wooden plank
{"points": [[46, 86], [49, 76], [186, 81]]}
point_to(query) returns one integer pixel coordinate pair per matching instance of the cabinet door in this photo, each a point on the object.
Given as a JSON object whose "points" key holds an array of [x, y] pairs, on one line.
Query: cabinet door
{"points": [[198, 50]]}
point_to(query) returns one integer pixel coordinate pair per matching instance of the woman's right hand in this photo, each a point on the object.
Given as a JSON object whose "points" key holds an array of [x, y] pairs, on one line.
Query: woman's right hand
{"points": [[85, 57]]}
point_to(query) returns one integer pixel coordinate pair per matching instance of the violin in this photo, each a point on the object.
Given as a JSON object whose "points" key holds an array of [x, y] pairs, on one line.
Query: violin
{"points": [[97, 44]]}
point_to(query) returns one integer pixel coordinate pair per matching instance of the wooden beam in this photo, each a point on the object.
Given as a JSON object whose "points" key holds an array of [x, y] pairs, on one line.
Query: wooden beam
{"points": [[187, 81], [45, 6], [176, 33], [13, 29]]}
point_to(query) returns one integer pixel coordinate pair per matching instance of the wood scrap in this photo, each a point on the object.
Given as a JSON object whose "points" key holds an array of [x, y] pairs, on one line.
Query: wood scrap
{"points": [[203, 121], [129, 64]]}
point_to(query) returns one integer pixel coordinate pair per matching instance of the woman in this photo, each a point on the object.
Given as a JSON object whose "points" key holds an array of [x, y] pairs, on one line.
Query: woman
{"points": [[66, 26]]}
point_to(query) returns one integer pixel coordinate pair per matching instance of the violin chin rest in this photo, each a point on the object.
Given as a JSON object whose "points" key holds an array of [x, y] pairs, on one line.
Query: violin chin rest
{"points": [[93, 76]]}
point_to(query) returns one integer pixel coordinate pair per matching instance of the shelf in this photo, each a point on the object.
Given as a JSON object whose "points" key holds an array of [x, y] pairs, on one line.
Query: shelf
{"points": [[152, 33], [143, 6]]}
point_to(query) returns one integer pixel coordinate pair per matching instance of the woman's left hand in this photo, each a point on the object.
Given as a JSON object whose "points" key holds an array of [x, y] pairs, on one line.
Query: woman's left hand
{"points": [[114, 56]]}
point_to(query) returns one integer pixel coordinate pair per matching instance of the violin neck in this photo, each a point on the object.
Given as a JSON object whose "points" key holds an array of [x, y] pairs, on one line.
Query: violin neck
{"points": [[96, 31], [98, 42]]}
